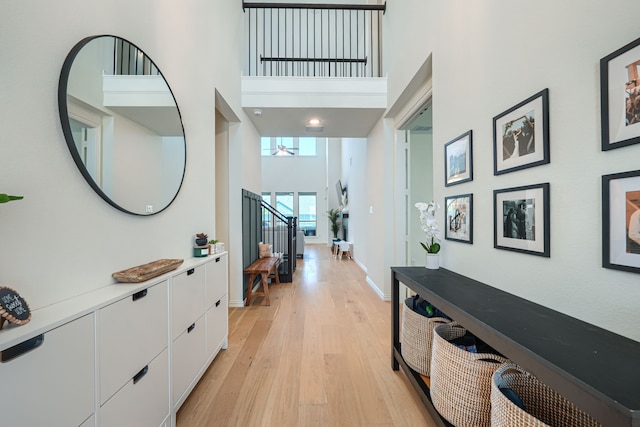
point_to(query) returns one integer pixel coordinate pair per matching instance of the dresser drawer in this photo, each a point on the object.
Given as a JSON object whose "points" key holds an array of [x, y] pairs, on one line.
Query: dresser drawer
{"points": [[53, 384], [188, 357], [217, 278], [143, 401], [132, 332], [187, 299], [217, 325]]}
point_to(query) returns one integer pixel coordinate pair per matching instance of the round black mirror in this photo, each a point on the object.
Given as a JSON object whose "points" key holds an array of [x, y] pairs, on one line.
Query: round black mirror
{"points": [[122, 124]]}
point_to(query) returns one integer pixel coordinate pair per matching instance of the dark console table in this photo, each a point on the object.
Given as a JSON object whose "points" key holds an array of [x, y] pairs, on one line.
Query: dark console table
{"points": [[597, 370]]}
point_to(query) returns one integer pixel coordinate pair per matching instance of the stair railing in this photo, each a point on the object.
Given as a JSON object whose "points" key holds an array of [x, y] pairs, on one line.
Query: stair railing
{"points": [[279, 231]]}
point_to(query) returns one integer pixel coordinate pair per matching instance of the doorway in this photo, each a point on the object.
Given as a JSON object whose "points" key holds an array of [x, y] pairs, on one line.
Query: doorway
{"points": [[419, 177]]}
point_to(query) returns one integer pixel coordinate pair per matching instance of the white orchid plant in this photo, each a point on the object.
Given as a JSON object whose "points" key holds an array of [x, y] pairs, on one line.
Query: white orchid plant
{"points": [[429, 225]]}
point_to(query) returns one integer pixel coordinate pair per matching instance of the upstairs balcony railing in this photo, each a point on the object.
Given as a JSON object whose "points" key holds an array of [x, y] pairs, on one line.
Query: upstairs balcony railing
{"points": [[130, 60], [313, 40]]}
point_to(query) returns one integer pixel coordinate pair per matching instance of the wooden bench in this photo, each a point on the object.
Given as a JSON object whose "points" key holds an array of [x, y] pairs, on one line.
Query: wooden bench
{"points": [[266, 267]]}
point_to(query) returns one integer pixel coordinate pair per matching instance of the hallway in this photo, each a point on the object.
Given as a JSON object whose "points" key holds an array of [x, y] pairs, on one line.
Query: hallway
{"points": [[318, 356]]}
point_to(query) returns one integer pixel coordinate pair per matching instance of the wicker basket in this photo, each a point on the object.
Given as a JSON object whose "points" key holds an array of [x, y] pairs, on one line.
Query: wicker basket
{"points": [[460, 380], [417, 334], [543, 406]]}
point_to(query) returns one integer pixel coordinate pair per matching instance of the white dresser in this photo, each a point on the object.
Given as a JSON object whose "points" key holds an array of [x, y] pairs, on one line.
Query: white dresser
{"points": [[123, 355]]}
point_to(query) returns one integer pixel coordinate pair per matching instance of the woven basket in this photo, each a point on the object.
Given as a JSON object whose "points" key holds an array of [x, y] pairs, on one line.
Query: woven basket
{"points": [[543, 406], [460, 381], [417, 334]]}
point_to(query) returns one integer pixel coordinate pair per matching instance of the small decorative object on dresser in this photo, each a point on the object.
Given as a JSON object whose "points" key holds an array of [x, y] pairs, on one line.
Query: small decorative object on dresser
{"points": [[13, 308], [215, 247], [147, 271], [202, 247], [201, 239]]}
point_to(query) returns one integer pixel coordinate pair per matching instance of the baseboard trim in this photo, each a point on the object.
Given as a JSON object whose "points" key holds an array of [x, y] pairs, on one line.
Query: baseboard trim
{"points": [[236, 303], [375, 287]]}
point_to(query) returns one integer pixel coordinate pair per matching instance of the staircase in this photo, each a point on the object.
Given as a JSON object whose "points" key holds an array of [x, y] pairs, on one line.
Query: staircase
{"points": [[261, 222]]}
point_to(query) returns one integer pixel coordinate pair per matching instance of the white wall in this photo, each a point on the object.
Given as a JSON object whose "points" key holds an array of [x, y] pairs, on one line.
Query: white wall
{"points": [[62, 239], [487, 58], [354, 177]]}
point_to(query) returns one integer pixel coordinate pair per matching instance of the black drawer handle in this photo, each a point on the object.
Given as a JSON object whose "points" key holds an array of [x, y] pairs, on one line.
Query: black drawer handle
{"points": [[218, 259], [191, 328], [137, 377], [190, 272], [218, 302], [22, 348], [138, 295]]}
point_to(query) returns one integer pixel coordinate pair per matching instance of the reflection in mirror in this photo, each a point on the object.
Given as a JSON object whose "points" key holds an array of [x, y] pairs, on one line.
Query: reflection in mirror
{"points": [[122, 125]]}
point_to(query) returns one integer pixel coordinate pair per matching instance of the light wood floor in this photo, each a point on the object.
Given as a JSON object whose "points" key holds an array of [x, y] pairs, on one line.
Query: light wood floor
{"points": [[318, 356]]}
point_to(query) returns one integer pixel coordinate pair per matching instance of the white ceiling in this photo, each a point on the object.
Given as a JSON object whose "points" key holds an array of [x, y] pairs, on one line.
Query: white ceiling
{"points": [[336, 122], [347, 108]]}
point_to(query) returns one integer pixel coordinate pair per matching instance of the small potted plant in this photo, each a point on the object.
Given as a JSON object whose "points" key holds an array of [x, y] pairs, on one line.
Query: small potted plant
{"points": [[201, 239], [334, 219], [215, 246]]}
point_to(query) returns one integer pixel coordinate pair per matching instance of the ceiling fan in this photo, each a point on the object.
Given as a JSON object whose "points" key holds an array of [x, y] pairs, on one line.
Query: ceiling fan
{"points": [[283, 151]]}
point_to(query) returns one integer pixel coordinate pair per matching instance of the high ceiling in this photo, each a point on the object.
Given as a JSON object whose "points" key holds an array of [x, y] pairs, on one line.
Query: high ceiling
{"points": [[345, 107], [334, 122]]}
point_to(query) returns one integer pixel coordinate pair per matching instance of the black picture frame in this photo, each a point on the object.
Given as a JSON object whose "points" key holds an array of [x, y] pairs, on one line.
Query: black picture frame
{"points": [[621, 221], [620, 97], [521, 135], [458, 160], [521, 219], [458, 218]]}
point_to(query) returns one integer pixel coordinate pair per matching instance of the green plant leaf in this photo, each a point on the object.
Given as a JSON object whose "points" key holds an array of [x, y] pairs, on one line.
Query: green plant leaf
{"points": [[435, 248], [5, 198]]}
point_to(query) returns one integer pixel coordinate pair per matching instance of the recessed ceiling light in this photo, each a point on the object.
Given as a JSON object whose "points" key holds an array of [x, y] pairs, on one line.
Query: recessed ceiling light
{"points": [[257, 112], [314, 122]]}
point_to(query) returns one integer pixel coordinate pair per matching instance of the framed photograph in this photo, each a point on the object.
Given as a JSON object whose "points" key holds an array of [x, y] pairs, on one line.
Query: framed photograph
{"points": [[621, 221], [459, 218], [521, 219], [521, 135], [458, 162], [620, 97]]}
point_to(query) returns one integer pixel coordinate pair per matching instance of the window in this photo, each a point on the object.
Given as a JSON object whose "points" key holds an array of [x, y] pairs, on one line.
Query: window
{"points": [[288, 146], [307, 146], [307, 213], [265, 146], [284, 203]]}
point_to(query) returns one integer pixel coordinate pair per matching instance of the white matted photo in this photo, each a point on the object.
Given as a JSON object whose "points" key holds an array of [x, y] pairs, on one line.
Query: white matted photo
{"points": [[521, 219], [459, 218], [620, 97], [521, 135], [621, 221], [458, 160]]}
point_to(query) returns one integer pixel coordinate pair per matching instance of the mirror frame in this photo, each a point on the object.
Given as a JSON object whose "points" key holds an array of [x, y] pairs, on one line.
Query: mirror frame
{"points": [[66, 125]]}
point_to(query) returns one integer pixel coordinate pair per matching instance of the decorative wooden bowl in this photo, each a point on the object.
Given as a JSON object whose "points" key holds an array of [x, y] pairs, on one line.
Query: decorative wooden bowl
{"points": [[147, 271]]}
